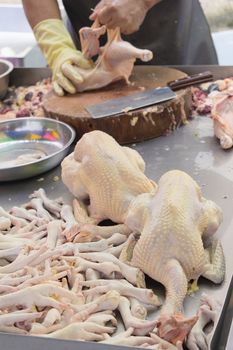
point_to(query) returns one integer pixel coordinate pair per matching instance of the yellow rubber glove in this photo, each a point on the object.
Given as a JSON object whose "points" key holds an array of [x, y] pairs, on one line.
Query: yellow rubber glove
{"points": [[61, 54]]}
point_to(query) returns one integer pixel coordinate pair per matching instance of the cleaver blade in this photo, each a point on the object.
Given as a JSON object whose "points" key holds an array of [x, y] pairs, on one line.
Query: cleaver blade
{"points": [[131, 102]]}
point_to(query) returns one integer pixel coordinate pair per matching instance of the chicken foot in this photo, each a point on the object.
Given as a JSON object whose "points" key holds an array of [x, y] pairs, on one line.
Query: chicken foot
{"points": [[54, 233], [137, 309], [53, 206], [102, 318], [132, 274], [197, 338], [10, 318], [14, 219], [141, 327], [102, 286], [91, 275], [37, 204], [88, 331], [172, 324], [127, 339], [21, 261], [161, 344], [25, 214], [39, 295], [5, 223], [107, 268], [108, 301]]}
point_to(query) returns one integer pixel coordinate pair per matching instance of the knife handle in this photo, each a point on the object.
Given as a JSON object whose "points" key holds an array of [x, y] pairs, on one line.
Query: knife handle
{"points": [[190, 80]]}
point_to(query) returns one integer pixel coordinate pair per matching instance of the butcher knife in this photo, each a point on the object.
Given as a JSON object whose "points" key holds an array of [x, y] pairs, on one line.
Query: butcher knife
{"points": [[145, 98]]}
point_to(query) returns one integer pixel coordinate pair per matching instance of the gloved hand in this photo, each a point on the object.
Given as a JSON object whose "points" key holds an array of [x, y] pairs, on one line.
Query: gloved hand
{"points": [[126, 14], [61, 55]]}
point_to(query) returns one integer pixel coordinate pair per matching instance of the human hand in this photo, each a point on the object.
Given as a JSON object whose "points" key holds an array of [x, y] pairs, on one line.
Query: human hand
{"points": [[126, 14], [61, 54], [66, 76]]}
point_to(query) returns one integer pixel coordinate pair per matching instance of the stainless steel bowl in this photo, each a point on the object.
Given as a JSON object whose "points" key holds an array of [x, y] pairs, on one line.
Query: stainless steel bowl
{"points": [[31, 146], [5, 68]]}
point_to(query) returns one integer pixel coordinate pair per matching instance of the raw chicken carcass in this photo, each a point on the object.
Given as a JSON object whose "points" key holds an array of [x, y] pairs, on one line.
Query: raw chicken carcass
{"points": [[116, 59], [174, 221], [222, 114], [107, 174]]}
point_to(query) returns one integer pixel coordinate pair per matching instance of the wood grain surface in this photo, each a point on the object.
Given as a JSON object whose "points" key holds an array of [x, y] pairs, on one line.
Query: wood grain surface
{"points": [[127, 127]]}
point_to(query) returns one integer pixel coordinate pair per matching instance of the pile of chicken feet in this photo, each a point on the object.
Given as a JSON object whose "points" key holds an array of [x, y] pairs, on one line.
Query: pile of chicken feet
{"points": [[47, 288], [64, 276]]}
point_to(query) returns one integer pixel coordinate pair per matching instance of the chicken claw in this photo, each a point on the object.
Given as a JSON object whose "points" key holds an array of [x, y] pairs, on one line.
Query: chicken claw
{"points": [[132, 274], [103, 318], [126, 338], [197, 338], [81, 331], [53, 206], [39, 295]]}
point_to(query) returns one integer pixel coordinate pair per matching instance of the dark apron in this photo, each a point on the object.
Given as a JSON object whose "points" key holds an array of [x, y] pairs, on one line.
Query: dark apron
{"points": [[175, 30]]}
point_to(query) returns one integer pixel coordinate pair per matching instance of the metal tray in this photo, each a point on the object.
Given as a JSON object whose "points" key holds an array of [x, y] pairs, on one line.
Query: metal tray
{"points": [[193, 149], [44, 142]]}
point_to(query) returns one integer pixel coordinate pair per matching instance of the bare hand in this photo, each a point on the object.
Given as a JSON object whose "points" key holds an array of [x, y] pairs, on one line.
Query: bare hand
{"points": [[126, 14]]}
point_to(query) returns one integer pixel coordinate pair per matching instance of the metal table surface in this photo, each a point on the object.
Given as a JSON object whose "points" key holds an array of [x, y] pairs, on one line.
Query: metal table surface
{"points": [[191, 148]]}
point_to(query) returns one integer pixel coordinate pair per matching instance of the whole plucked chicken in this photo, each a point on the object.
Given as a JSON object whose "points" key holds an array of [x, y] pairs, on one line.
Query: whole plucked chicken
{"points": [[108, 175], [175, 222]]}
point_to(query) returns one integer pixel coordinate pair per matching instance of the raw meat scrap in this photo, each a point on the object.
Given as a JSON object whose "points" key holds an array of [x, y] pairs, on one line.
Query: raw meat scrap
{"points": [[24, 101]]}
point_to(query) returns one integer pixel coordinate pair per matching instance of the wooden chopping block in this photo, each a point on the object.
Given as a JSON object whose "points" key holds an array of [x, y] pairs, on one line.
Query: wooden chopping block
{"points": [[127, 127]]}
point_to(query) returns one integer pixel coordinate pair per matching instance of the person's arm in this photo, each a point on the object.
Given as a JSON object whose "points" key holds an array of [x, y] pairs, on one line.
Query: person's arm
{"points": [[38, 11], [56, 44], [126, 14]]}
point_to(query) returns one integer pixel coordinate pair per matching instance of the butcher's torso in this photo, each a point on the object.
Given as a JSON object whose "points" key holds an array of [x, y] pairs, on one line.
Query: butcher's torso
{"points": [[176, 31]]}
